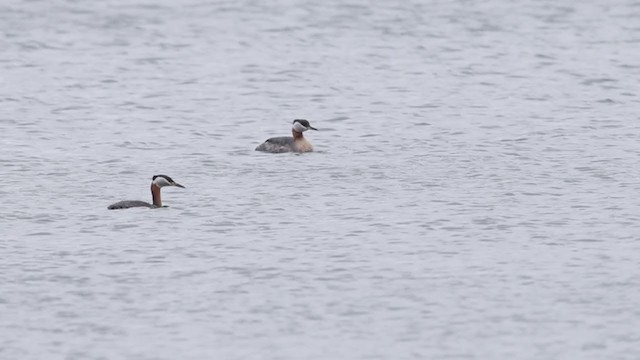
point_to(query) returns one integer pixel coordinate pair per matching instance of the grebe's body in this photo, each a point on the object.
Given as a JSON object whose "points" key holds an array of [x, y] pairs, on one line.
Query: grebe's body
{"points": [[158, 181], [295, 143]]}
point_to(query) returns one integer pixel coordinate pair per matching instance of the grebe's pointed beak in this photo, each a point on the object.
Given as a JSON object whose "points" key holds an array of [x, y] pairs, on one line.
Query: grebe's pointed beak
{"points": [[178, 185], [312, 128]]}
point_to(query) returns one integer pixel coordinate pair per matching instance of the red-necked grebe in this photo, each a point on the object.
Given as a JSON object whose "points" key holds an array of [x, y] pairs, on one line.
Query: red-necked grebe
{"points": [[297, 143], [158, 181]]}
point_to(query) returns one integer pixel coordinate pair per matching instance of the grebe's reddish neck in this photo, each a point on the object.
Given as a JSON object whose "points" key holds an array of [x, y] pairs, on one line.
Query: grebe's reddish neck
{"points": [[297, 134], [155, 194]]}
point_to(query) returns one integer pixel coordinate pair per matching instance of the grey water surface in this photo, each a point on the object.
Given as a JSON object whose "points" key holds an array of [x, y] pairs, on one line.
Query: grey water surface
{"points": [[474, 193]]}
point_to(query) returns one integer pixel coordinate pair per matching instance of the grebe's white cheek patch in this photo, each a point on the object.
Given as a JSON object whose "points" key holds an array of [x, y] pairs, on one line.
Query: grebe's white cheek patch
{"points": [[299, 127], [161, 181]]}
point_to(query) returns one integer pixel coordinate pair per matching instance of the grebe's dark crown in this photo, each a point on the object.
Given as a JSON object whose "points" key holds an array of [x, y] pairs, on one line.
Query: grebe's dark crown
{"points": [[302, 122], [164, 176]]}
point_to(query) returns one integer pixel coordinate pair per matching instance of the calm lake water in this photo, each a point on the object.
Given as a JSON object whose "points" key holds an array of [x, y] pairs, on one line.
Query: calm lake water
{"points": [[474, 193]]}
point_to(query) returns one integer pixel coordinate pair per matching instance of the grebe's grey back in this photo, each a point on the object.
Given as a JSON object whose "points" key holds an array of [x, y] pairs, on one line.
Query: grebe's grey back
{"points": [[157, 182], [295, 143]]}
